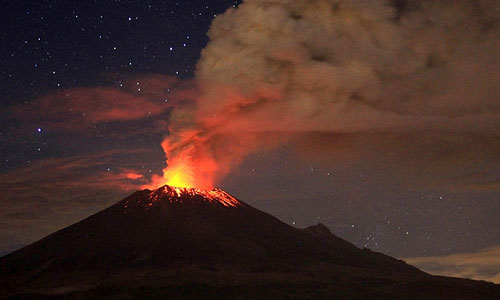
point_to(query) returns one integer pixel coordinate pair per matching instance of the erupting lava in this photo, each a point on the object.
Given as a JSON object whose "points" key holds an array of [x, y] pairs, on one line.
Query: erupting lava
{"points": [[189, 164], [179, 175], [183, 173], [186, 172]]}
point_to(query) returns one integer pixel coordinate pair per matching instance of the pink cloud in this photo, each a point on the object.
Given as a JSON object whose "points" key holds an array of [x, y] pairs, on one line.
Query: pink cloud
{"points": [[133, 176], [140, 97]]}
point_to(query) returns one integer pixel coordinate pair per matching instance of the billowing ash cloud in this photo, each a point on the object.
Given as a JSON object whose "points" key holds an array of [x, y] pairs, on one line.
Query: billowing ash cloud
{"points": [[278, 69]]}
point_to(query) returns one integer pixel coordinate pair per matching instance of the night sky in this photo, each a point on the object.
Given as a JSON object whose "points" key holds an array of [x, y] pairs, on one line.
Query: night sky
{"points": [[90, 89]]}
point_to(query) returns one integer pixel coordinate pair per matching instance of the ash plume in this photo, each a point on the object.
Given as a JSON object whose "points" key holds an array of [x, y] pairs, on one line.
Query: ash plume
{"points": [[377, 73]]}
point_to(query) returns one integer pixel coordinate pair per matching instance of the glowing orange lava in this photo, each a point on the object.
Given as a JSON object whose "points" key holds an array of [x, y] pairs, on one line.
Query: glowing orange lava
{"points": [[177, 175], [186, 168], [180, 175]]}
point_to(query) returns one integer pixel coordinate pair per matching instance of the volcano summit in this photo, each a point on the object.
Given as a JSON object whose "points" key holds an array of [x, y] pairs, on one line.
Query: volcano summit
{"points": [[190, 243]]}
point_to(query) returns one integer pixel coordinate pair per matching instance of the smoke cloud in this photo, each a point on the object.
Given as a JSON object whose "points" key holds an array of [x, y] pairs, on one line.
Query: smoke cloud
{"points": [[414, 73]]}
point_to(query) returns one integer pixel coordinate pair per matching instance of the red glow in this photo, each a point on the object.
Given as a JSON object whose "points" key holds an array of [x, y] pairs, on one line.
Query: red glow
{"points": [[133, 176], [188, 165]]}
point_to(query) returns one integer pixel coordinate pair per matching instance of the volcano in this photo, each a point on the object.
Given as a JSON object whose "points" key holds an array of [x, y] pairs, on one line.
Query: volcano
{"points": [[206, 244]]}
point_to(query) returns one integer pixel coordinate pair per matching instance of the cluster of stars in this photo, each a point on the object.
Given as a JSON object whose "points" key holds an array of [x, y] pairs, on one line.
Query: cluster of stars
{"points": [[73, 45]]}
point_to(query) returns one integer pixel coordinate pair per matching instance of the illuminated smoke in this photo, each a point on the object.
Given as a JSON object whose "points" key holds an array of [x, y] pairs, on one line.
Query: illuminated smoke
{"points": [[274, 70]]}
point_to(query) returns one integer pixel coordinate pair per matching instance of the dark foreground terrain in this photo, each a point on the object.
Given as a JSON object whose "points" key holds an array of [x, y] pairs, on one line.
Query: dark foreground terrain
{"points": [[174, 243]]}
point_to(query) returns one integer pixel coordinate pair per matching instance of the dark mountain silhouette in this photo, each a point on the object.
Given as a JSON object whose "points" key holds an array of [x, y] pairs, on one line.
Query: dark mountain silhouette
{"points": [[190, 243]]}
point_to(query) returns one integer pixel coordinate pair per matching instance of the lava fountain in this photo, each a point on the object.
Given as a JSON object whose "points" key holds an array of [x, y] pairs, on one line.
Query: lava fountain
{"points": [[189, 164]]}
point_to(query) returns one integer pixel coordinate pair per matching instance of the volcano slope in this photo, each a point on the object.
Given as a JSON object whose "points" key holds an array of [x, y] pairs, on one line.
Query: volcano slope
{"points": [[176, 243]]}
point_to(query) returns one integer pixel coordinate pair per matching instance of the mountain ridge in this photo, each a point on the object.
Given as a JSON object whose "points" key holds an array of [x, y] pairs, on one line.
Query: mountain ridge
{"points": [[177, 229]]}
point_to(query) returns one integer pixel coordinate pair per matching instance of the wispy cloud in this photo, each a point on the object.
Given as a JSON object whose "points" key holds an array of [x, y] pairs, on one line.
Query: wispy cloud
{"points": [[94, 170], [146, 97], [481, 265]]}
